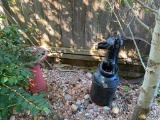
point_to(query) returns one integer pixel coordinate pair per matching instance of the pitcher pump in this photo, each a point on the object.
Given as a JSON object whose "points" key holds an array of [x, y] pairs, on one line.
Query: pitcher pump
{"points": [[105, 79]]}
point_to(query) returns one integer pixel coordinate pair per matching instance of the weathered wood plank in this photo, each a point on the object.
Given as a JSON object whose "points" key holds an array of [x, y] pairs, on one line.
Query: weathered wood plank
{"points": [[75, 56], [88, 57], [92, 55], [51, 11], [78, 51]]}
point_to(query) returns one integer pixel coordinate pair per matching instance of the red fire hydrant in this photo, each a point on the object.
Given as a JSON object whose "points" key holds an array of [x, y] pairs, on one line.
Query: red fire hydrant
{"points": [[37, 83]]}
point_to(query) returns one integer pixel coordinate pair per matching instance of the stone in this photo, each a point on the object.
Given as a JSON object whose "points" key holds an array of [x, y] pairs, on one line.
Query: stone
{"points": [[14, 111], [45, 113], [113, 104], [95, 108], [106, 108], [68, 96], [41, 118], [12, 118], [65, 115], [28, 112], [89, 75], [86, 114], [90, 111], [78, 102], [82, 101], [115, 110], [87, 96], [74, 107]]}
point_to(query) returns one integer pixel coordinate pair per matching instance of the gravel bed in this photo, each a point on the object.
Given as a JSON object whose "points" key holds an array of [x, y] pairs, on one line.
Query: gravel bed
{"points": [[68, 93]]}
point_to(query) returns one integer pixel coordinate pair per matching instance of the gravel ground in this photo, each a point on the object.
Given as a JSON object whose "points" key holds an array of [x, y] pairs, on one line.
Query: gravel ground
{"points": [[68, 93]]}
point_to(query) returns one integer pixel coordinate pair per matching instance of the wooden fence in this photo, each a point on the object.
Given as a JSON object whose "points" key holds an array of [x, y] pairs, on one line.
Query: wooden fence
{"points": [[72, 28]]}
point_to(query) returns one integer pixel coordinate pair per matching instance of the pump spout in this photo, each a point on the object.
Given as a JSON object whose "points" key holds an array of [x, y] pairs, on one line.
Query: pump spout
{"points": [[107, 44]]}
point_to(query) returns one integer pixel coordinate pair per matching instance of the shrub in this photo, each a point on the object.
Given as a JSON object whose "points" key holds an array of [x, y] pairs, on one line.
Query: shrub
{"points": [[14, 75]]}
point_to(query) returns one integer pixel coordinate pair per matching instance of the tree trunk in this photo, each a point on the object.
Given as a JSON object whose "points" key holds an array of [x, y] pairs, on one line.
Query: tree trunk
{"points": [[152, 75]]}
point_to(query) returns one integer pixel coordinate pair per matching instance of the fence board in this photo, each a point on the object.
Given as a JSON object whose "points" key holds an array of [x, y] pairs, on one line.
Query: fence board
{"points": [[77, 24]]}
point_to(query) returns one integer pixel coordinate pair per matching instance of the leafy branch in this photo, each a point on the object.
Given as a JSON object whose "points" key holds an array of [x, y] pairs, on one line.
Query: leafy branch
{"points": [[137, 19], [36, 104], [149, 8], [14, 75]]}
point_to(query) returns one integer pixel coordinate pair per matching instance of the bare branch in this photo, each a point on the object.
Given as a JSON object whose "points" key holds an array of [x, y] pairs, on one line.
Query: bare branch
{"points": [[133, 38], [130, 38], [137, 19], [140, 57], [149, 8], [112, 10]]}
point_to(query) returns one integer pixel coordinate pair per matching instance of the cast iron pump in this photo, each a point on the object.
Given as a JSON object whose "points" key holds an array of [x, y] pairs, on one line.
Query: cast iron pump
{"points": [[105, 79]]}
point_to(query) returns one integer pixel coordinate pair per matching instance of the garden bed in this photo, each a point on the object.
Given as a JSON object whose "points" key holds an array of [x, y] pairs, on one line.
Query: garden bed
{"points": [[68, 93]]}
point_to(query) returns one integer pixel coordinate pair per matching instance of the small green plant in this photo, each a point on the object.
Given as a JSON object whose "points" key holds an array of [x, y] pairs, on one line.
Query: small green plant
{"points": [[15, 56], [92, 70], [126, 88]]}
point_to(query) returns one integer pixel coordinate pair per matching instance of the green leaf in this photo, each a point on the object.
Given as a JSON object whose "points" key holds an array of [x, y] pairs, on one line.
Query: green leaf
{"points": [[33, 98], [39, 101], [41, 95], [11, 80], [24, 105], [27, 95], [4, 79], [3, 90], [18, 108], [34, 111], [46, 110], [19, 99], [92, 70], [4, 112], [2, 104], [2, 16], [46, 105], [11, 95], [146, 10], [30, 107]]}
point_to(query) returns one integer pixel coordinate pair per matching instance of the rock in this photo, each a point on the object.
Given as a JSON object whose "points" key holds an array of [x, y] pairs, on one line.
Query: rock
{"points": [[28, 112], [74, 107], [12, 118], [87, 96], [41, 118], [78, 102], [95, 108], [14, 111], [82, 101], [106, 108], [81, 107], [68, 96], [89, 75], [113, 104], [90, 111], [45, 113], [65, 115], [115, 110], [86, 114]]}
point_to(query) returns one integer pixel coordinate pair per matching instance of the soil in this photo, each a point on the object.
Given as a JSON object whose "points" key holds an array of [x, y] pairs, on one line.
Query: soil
{"points": [[68, 93]]}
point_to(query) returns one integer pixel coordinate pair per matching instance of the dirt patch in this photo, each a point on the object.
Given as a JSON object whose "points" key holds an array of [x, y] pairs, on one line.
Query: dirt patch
{"points": [[68, 92]]}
